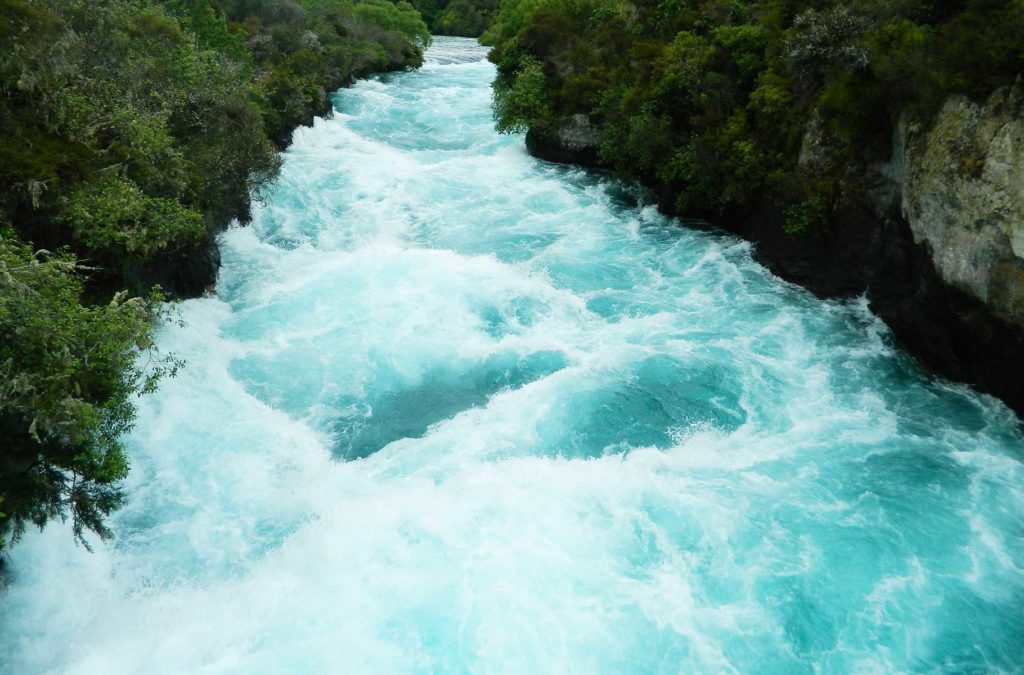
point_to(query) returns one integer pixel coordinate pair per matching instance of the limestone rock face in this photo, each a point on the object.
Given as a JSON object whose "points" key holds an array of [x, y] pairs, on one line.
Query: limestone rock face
{"points": [[962, 193], [933, 237], [573, 140], [577, 134]]}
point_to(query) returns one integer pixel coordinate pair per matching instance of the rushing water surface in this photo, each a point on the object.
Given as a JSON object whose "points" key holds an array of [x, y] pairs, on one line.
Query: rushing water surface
{"points": [[457, 410]]}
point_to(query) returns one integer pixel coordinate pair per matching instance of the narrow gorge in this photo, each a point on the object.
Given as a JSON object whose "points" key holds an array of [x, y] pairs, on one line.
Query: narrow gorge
{"points": [[452, 408]]}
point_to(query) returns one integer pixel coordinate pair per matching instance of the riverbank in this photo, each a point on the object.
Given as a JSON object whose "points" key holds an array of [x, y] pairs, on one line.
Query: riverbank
{"points": [[192, 272], [864, 252], [454, 409], [135, 132], [871, 149]]}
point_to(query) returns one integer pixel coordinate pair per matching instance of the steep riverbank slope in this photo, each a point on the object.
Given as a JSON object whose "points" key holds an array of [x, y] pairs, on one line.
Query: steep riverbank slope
{"points": [[453, 409], [936, 242], [864, 149], [134, 132]]}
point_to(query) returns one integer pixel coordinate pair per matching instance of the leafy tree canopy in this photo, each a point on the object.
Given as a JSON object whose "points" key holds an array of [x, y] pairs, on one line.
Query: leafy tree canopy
{"points": [[134, 131], [712, 99]]}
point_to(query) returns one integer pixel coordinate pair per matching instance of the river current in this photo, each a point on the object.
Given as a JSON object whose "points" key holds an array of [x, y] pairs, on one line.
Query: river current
{"points": [[454, 409]]}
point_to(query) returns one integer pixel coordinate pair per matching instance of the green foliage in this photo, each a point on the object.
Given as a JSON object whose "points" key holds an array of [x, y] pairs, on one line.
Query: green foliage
{"points": [[711, 99], [303, 50], [68, 376], [134, 131], [209, 26], [810, 215], [826, 43], [96, 92], [118, 220], [468, 18], [400, 17], [522, 102]]}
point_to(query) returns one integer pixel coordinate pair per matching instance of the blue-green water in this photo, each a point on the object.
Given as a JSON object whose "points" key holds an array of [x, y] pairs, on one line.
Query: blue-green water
{"points": [[457, 410]]}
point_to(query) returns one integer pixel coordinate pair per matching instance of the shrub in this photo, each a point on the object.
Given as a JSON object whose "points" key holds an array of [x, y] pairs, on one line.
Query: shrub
{"points": [[810, 215], [118, 220], [523, 102], [68, 377]]}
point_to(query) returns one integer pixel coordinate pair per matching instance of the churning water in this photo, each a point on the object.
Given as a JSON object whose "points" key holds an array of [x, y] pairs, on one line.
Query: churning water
{"points": [[457, 410]]}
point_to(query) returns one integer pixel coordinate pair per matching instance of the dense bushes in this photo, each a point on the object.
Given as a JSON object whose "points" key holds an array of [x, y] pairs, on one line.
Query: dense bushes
{"points": [[468, 18], [68, 375], [303, 50], [133, 131], [713, 99]]}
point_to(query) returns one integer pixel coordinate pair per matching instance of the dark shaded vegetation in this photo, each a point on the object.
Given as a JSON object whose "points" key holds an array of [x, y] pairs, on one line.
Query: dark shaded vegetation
{"points": [[68, 379], [304, 50], [466, 18], [712, 101], [133, 132], [776, 119]]}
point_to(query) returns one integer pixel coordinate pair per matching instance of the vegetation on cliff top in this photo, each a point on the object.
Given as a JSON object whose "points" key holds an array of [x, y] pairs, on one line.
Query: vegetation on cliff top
{"points": [[466, 18], [715, 100], [134, 130]]}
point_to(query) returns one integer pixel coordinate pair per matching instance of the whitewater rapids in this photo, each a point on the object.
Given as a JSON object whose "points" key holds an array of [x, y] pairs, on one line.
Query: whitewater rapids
{"points": [[454, 409]]}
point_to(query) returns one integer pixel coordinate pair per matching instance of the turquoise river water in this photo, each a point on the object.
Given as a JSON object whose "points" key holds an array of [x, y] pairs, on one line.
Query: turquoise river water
{"points": [[454, 409]]}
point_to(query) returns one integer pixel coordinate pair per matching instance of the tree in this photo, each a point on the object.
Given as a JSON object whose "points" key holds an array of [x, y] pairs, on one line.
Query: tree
{"points": [[69, 372]]}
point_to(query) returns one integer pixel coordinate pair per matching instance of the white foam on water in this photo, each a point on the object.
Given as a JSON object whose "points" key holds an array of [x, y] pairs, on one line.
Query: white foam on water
{"points": [[457, 410]]}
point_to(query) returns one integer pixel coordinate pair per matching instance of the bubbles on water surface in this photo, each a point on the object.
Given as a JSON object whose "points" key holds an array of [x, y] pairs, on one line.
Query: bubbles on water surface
{"points": [[457, 410]]}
